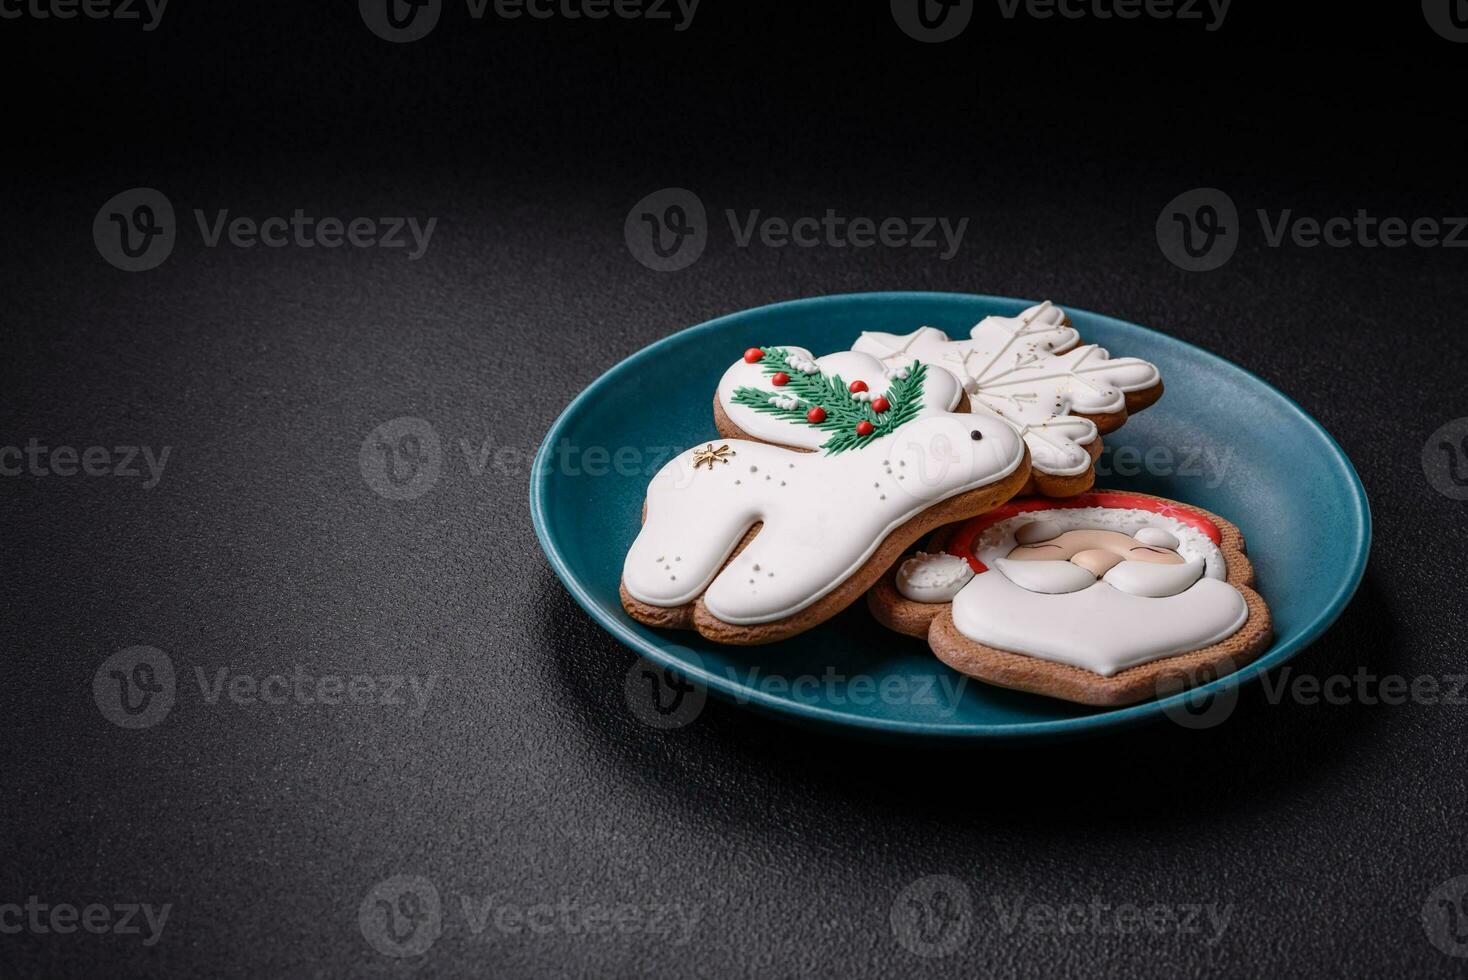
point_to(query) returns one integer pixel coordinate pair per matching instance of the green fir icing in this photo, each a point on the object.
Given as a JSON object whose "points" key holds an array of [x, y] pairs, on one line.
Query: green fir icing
{"points": [[844, 412]]}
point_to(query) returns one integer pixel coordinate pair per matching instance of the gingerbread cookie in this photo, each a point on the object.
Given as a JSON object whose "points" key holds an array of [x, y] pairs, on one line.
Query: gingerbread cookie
{"points": [[755, 541], [1033, 372], [1106, 598]]}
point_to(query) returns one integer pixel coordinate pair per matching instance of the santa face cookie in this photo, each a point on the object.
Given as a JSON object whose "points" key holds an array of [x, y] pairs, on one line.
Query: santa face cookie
{"points": [[1103, 599], [749, 542], [1032, 371]]}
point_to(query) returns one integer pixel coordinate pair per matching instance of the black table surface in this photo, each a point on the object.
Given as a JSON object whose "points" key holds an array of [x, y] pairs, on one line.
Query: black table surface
{"points": [[557, 832]]}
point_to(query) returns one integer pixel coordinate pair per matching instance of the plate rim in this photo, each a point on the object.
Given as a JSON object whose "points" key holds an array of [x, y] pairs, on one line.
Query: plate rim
{"points": [[541, 478]]}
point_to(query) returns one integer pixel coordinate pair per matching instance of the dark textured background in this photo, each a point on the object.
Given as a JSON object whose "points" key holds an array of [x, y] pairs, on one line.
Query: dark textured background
{"points": [[262, 548]]}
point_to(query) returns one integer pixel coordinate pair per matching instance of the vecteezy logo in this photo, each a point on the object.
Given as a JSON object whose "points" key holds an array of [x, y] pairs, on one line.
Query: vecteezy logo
{"points": [[667, 230], [1445, 459], [932, 916], [401, 459], [401, 916], [932, 21], [134, 688], [1449, 18], [660, 698], [933, 462], [1199, 230], [135, 230], [1198, 709], [400, 21], [1445, 916]]}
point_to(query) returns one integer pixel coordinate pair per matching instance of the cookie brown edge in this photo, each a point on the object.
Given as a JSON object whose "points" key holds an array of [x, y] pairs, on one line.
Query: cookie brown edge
{"points": [[1051, 485], [1136, 401], [1140, 683], [695, 615]]}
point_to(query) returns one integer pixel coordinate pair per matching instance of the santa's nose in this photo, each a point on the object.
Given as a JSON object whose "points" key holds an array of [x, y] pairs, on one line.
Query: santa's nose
{"points": [[1096, 561]]}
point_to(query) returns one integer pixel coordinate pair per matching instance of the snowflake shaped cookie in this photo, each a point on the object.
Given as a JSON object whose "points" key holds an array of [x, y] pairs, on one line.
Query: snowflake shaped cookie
{"points": [[1032, 371]]}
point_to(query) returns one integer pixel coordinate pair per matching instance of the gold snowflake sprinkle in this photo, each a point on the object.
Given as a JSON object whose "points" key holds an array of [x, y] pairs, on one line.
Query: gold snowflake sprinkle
{"points": [[710, 455]]}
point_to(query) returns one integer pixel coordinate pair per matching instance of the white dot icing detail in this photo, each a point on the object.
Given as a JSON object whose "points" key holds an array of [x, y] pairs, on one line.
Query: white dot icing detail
{"points": [[801, 362], [933, 578]]}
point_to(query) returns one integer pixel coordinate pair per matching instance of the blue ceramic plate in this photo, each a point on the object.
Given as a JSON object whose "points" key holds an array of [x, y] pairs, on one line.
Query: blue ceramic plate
{"points": [[1220, 438]]}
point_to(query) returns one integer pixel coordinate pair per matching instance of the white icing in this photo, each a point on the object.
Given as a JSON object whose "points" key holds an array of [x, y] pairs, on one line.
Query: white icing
{"points": [[1049, 577], [1157, 537], [785, 401], [933, 578], [941, 393], [1138, 612], [1037, 531], [1153, 579], [801, 363], [1028, 370], [862, 396], [1100, 629], [823, 515]]}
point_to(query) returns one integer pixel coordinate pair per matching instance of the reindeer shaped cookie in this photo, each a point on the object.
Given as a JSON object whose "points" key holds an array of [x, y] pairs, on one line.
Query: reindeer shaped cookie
{"points": [[830, 468]]}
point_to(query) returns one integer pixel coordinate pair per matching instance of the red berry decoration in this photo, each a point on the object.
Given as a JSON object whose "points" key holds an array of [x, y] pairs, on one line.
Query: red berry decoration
{"points": [[779, 379], [880, 404], [753, 354], [863, 428], [858, 386], [816, 415]]}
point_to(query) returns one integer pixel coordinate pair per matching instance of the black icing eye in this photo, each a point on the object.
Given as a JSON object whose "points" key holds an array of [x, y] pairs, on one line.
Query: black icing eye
{"points": [[976, 435]]}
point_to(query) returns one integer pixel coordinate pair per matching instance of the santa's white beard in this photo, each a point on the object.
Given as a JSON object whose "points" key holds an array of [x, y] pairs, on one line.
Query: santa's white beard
{"points": [[1145, 578], [1098, 628]]}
